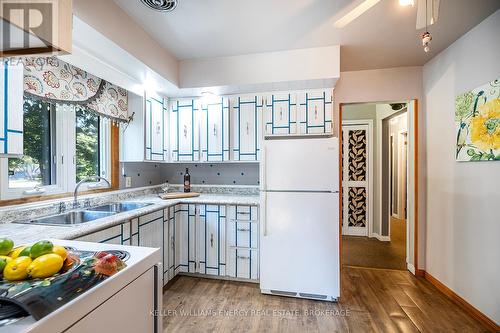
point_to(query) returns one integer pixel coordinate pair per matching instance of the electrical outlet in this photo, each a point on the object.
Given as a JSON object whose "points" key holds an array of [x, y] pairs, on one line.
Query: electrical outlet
{"points": [[128, 181]]}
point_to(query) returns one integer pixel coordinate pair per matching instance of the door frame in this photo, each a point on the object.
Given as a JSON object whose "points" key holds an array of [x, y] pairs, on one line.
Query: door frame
{"points": [[413, 128], [369, 123]]}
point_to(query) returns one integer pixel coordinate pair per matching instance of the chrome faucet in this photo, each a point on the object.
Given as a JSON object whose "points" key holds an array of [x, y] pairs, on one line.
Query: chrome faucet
{"points": [[86, 180]]}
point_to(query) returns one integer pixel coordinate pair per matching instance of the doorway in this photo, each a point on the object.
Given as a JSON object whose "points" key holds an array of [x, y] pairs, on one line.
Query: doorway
{"points": [[375, 183]]}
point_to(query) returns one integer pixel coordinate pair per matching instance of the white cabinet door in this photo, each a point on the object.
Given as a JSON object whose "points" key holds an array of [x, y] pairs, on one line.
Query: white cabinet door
{"points": [[315, 111], [11, 109], [244, 263], [246, 119], [155, 129], [181, 237], [133, 303], [214, 130], [184, 130], [281, 114], [211, 239]]}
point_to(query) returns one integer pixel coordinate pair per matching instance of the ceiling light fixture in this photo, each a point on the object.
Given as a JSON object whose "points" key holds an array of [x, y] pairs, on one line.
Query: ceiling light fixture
{"points": [[405, 3], [355, 13], [426, 36]]}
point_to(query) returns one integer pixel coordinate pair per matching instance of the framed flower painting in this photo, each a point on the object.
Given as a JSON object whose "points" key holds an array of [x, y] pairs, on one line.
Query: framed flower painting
{"points": [[477, 119]]}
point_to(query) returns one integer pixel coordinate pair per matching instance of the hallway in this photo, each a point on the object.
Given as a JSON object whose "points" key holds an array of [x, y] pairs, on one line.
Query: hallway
{"points": [[372, 253]]}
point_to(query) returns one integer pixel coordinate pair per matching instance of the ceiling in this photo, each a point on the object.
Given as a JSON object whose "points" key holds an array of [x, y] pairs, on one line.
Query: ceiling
{"points": [[384, 36]]}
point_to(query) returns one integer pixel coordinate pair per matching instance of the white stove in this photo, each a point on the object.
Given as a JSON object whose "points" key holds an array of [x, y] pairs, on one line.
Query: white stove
{"points": [[124, 302]]}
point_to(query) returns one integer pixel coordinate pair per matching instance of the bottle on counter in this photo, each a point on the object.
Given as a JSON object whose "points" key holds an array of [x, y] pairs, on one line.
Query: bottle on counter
{"points": [[187, 181]]}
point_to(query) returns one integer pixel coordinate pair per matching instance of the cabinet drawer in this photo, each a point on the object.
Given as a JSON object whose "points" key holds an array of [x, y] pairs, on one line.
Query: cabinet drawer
{"points": [[150, 217], [243, 234], [111, 235], [243, 263]]}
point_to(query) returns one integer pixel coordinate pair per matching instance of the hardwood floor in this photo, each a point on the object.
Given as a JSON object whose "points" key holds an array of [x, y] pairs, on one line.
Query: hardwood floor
{"points": [[373, 300], [372, 253]]}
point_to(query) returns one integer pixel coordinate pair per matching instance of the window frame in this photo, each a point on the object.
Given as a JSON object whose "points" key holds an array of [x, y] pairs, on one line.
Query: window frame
{"points": [[64, 159]]}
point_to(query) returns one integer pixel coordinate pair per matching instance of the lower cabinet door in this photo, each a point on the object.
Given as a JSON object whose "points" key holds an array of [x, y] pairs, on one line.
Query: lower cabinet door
{"points": [[132, 305], [211, 239], [243, 263], [181, 238], [170, 243]]}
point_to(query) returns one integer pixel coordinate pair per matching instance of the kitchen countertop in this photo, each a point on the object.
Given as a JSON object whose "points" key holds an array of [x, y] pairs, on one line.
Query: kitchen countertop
{"points": [[27, 233]]}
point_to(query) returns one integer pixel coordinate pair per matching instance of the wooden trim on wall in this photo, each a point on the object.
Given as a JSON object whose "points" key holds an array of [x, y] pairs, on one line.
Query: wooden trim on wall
{"points": [[415, 186], [115, 157], [466, 306]]}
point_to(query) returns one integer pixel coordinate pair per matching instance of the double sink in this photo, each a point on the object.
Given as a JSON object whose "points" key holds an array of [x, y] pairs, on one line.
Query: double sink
{"points": [[87, 215]]}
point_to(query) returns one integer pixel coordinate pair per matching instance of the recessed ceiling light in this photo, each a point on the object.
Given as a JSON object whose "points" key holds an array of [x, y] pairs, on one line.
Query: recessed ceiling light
{"points": [[355, 13], [405, 3]]}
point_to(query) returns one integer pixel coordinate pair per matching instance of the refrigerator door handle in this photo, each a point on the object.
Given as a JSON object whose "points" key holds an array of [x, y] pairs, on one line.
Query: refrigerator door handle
{"points": [[264, 189]]}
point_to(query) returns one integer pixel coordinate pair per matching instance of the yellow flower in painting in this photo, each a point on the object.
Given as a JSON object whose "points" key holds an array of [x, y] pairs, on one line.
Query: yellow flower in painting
{"points": [[485, 127]]}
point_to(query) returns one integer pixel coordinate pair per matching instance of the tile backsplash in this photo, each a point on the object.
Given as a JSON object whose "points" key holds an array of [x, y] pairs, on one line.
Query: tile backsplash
{"points": [[150, 173]]}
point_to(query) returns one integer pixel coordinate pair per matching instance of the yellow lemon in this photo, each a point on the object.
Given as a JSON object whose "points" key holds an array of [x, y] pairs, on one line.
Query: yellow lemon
{"points": [[7, 259], [60, 250], [15, 253], [16, 269], [45, 265]]}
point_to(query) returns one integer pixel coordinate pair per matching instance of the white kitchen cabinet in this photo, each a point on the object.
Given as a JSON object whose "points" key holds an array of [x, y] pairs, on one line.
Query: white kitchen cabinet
{"points": [[214, 130], [281, 114], [169, 244], [315, 111], [118, 234], [184, 130], [133, 304], [246, 116], [146, 138], [11, 109], [211, 239], [156, 125], [243, 242], [181, 237]]}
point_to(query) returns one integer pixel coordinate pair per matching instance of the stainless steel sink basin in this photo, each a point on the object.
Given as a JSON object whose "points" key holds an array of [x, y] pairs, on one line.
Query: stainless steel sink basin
{"points": [[69, 218], [119, 207]]}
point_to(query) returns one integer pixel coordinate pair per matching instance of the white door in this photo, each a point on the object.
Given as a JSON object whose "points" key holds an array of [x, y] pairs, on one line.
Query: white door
{"points": [[246, 118], [281, 114], [214, 130], [356, 179], [299, 244]]}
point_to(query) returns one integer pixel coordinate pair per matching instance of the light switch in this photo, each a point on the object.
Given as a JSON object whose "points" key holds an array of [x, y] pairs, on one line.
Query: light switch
{"points": [[128, 181]]}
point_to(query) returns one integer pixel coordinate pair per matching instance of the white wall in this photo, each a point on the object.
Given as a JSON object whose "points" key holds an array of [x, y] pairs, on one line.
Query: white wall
{"points": [[463, 216], [270, 67]]}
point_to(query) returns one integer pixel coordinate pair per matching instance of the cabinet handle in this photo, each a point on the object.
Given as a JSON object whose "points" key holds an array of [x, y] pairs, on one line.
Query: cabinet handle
{"points": [[211, 240], [215, 130], [242, 258], [315, 112], [158, 128], [248, 128], [243, 230], [281, 113], [173, 242], [185, 131]]}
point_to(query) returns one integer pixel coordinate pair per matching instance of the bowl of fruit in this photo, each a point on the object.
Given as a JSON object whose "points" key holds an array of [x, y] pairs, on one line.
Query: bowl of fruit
{"points": [[40, 260]]}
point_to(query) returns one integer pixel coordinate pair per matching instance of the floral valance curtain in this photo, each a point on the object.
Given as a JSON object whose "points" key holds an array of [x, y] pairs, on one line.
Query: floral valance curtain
{"points": [[54, 80]]}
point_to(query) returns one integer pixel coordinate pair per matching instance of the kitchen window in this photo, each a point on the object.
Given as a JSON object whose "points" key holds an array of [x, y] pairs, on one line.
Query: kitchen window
{"points": [[35, 167], [62, 145]]}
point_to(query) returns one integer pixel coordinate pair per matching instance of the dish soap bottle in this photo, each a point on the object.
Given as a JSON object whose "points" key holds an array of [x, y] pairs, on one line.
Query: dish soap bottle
{"points": [[187, 181]]}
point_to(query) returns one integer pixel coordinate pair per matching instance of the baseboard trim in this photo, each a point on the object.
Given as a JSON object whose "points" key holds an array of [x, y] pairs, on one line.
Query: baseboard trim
{"points": [[411, 268], [381, 238], [469, 308]]}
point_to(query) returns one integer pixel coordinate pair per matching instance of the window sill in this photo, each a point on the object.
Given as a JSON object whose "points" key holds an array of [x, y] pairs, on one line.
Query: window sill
{"points": [[37, 198]]}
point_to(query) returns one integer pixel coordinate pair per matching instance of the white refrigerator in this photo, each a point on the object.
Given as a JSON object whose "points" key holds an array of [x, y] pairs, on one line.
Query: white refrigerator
{"points": [[299, 237]]}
